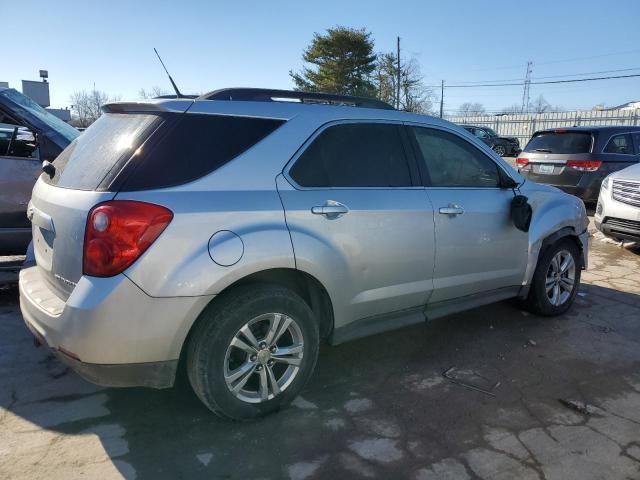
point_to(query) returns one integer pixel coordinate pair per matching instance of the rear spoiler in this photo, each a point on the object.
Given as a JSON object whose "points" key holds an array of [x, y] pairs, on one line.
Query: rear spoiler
{"points": [[150, 106]]}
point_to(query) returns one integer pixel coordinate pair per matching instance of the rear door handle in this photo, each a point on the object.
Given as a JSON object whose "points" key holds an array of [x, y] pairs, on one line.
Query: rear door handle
{"points": [[330, 209], [452, 210]]}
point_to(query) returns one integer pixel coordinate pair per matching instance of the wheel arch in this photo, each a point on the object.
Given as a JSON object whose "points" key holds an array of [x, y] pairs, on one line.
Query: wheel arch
{"points": [[304, 284]]}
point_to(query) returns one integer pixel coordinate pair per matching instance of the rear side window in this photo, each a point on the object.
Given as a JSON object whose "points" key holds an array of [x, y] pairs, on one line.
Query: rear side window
{"points": [[354, 155], [196, 146], [620, 144], [557, 142], [453, 162], [90, 157]]}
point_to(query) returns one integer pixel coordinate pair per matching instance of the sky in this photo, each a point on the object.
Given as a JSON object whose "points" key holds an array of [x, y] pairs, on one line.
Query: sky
{"points": [[209, 45]]}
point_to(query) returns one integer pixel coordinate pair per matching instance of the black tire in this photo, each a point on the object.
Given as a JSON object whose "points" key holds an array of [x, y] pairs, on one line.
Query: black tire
{"points": [[500, 150], [538, 300], [217, 327]]}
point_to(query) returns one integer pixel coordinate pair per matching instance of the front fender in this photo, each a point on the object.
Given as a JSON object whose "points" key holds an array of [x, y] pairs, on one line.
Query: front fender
{"points": [[555, 215]]}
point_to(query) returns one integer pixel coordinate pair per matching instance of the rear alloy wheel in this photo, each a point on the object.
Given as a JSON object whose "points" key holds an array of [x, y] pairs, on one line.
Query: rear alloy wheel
{"points": [[252, 351], [556, 279], [264, 357], [500, 150]]}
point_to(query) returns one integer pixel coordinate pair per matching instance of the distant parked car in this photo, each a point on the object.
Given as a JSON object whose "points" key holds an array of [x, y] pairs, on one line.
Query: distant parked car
{"points": [[577, 159], [28, 135], [503, 146], [618, 211]]}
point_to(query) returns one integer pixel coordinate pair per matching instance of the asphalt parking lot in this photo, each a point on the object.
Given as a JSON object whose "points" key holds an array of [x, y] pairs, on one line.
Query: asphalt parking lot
{"points": [[376, 408]]}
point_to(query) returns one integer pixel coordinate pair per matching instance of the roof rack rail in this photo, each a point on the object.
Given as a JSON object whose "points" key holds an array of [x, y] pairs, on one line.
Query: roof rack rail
{"points": [[269, 95]]}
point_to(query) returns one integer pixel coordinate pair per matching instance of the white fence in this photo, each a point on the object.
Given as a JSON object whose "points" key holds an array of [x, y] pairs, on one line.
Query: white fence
{"points": [[522, 126]]}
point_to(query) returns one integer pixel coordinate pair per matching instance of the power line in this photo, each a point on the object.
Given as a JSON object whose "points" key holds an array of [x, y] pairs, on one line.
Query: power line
{"points": [[473, 82], [591, 79]]}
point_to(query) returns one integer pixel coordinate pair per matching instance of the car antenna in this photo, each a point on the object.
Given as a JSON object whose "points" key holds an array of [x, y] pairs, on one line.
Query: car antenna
{"points": [[175, 87]]}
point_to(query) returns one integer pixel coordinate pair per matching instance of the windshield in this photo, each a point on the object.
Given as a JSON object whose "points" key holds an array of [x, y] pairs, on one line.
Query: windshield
{"points": [[41, 114], [490, 132]]}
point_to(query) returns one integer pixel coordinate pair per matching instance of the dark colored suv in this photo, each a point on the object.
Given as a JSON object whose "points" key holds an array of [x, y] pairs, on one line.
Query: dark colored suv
{"points": [[577, 159], [503, 146]]}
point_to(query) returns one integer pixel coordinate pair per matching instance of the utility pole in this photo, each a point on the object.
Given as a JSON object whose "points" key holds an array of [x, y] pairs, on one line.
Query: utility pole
{"points": [[527, 86], [441, 98], [398, 80]]}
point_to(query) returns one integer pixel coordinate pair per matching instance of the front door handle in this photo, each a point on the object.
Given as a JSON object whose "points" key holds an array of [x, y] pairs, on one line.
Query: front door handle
{"points": [[330, 209], [452, 210]]}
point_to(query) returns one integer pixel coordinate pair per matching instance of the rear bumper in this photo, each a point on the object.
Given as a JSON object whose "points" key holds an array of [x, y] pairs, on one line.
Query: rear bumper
{"points": [[108, 330], [587, 187]]}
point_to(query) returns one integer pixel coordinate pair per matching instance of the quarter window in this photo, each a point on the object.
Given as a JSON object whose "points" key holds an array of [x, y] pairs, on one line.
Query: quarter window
{"points": [[453, 162], [620, 144], [354, 155]]}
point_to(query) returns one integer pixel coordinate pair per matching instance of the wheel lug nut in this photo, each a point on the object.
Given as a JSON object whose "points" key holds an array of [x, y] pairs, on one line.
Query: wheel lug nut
{"points": [[253, 358], [273, 349], [259, 368]]}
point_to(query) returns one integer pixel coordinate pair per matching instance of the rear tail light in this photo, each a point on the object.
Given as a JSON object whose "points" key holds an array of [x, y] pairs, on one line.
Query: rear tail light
{"points": [[584, 165], [118, 232], [522, 162]]}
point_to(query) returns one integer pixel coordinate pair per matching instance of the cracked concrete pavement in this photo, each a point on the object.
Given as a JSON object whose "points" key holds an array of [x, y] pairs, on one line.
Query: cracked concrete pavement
{"points": [[376, 408]]}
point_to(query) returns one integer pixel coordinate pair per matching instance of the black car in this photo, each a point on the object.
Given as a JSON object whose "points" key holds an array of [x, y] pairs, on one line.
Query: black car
{"points": [[503, 146], [577, 159]]}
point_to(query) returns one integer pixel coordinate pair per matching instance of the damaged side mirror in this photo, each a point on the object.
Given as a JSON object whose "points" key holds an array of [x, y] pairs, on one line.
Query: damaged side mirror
{"points": [[521, 212]]}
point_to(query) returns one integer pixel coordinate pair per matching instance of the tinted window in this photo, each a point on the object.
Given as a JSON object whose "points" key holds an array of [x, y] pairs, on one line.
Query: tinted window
{"points": [[354, 155], [453, 162], [556, 142], [88, 159], [620, 144], [195, 146]]}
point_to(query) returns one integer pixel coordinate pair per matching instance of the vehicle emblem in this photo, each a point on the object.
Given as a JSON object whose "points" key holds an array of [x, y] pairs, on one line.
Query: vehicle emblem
{"points": [[64, 280]]}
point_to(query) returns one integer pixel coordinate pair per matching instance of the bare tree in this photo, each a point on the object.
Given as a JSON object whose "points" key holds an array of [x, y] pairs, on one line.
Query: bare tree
{"points": [[539, 105], [86, 107], [469, 109], [512, 110], [414, 95], [153, 93]]}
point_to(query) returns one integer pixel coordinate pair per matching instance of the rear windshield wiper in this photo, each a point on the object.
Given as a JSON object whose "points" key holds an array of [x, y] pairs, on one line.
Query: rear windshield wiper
{"points": [[544, 150]]}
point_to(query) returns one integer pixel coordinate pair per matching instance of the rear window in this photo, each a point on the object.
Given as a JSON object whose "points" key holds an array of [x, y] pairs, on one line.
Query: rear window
{"points": [[178, 148], [197, 145], [90, 157], [552, 142]]}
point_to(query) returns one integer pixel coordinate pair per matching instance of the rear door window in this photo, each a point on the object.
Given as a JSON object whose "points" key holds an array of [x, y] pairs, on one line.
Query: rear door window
{"points": [[620, 144], [354, 155], [90, 157], [560, 142]]}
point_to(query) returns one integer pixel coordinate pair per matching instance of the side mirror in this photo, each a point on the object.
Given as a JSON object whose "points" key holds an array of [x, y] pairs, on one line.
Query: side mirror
{"points": [[521, 212]]}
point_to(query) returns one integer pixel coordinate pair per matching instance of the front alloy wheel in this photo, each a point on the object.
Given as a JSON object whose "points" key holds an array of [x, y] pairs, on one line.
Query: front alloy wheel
{"points": [[556, 279], [561, 278], [263, 357]]}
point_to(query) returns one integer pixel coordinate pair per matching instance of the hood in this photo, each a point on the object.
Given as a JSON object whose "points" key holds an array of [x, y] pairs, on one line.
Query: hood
{"points": [[24, 110], [509, 139], [629, 173]]}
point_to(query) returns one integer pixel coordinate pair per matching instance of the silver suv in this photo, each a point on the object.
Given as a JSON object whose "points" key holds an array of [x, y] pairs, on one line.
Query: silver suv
{"points": [[237, 231]]}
